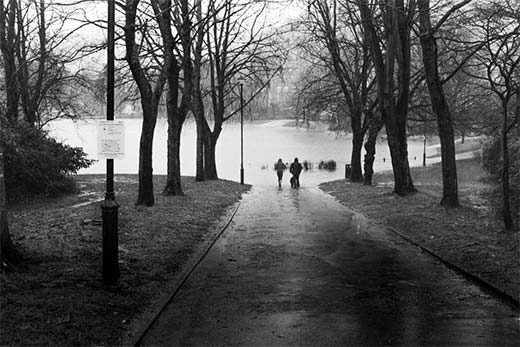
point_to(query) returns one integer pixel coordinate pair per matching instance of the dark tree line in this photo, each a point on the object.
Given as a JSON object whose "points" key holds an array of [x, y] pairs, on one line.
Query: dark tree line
{"points": [[36, 88], [185, 56], [424, 61]]}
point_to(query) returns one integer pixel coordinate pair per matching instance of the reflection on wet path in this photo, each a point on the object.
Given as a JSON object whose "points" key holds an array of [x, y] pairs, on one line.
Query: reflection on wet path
{"points": [[297, 268]]}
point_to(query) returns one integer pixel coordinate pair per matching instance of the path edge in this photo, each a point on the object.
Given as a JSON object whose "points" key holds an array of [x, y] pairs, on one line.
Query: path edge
{"points": [[138, 341], [501, 294], [480, 281]]}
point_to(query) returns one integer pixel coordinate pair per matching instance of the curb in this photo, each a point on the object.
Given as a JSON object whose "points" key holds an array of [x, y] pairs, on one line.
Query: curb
{"points": [[483, 283], [162, 307]]}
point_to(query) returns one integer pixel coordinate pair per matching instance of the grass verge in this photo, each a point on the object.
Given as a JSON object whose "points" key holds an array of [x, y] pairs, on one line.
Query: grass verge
{"points": [[57, 298], [471, 237]]}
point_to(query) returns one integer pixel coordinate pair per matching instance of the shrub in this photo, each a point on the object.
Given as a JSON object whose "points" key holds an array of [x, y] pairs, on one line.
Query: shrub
{"points": [[492, 156], [37, 165], [327, 165]]}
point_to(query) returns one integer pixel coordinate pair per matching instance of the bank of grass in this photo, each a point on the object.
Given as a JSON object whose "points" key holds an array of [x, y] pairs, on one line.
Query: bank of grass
{"points": [[471, 236], [57, 298], [470, 145]]}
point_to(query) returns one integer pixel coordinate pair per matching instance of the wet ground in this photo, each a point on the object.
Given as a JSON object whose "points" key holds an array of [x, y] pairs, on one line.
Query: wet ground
{"points": [[296, 267]]}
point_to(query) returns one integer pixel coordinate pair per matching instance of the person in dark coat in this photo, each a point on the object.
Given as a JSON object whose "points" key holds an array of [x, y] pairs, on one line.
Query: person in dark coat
{"points": [[280, 168], [295, 169]]}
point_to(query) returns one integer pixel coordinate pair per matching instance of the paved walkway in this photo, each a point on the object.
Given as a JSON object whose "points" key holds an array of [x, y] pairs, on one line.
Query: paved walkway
{"points": [[297, 268]]}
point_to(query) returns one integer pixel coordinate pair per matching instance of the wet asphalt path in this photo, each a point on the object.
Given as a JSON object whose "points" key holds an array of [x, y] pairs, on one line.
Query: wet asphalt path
{"points": [[296, 267]]}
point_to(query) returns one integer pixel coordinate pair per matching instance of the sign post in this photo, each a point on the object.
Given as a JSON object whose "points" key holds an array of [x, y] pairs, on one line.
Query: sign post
{"points": [[111, 139], [108, 147], [241, 135]]}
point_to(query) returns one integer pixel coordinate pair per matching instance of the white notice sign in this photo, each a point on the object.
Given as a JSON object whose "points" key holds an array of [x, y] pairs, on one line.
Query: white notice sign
{"points": [[111, 139]]}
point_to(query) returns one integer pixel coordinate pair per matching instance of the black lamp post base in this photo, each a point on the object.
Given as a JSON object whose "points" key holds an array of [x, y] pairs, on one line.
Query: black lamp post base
{"points": [[242, 176], [109, 211]]}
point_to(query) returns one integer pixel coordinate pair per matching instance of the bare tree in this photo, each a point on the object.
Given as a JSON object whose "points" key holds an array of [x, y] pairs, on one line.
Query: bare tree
{"points": [[500, 23], [197, 104], [229, 41], [469, 105], [38, 56], [176, 113], [336, 26], [150, 80], [238, 44], [317, 91], [391, 54], [439, 104]]}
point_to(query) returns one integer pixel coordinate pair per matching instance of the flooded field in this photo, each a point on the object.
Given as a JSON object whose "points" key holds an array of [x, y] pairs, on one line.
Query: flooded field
{"points": [[264, 143]]}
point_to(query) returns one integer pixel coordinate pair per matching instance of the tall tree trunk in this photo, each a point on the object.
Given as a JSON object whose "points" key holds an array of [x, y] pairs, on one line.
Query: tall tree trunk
{"points": [[357, 145], [376, 124], [146, 194], [176, 115], [355, 159], [198, 112], [150, 98], [450, 196], [197, 102], [9, 255], [398, 145], [210, 167], [8, 49], [508, 221], [173, 179], [199, 170], [210, 146], [402, 17], [394, 108]]}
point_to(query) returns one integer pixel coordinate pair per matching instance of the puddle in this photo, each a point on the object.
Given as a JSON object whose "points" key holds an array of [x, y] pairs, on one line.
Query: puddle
{"points": [[360, 222]]}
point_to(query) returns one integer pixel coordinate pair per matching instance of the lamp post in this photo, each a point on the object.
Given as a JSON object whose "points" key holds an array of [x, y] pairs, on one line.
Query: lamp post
{"points": [[424, 146], [241, 135], [109, 206]]}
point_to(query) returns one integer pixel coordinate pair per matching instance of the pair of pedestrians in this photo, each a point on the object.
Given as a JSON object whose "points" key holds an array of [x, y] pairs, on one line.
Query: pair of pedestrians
{"points": [[295, 169]]}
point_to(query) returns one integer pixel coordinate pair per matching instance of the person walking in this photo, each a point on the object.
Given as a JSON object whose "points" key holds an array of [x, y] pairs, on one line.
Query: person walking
{"points": [[295, 169], [280, 168]]}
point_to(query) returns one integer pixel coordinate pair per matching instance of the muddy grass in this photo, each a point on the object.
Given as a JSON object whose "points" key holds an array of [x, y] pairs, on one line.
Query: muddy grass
{"points": [[471, 236], [57, 298]]}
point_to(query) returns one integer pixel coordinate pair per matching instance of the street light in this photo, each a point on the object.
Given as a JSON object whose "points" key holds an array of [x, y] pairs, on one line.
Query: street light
{"points": [[424, 146], [109, 206], [241, 135]]}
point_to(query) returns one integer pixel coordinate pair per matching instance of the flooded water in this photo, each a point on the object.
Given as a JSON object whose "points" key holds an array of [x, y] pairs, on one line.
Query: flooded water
{"points": [[264, 143]]}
